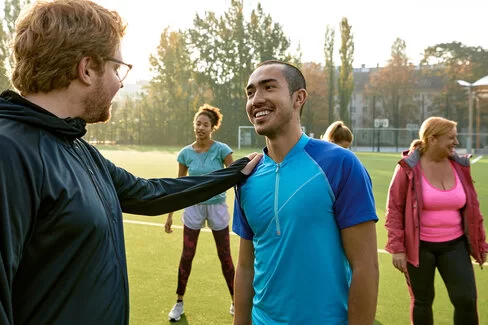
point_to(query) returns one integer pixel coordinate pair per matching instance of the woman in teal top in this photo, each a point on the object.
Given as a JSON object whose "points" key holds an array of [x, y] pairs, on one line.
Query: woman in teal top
{"points": [[203, 156]]}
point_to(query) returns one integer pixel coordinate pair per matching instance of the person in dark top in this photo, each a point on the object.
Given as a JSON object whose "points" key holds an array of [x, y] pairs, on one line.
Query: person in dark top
{"points": [[62, 254]]}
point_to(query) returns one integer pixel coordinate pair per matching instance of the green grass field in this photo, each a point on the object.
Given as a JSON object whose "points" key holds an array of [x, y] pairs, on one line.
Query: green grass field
{"points": [[153, 255]]}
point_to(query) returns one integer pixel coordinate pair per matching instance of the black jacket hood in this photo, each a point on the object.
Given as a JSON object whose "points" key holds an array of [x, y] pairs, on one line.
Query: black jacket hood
{"points": [[15, 107]]}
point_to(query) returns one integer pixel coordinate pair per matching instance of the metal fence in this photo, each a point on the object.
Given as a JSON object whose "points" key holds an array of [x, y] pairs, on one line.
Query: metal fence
{"points": [[397, 140]]}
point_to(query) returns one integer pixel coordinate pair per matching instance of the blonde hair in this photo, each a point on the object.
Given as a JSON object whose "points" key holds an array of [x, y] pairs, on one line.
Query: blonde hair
{"points": [[338, 132], [213, 113], [52, 37], [433, 126]]}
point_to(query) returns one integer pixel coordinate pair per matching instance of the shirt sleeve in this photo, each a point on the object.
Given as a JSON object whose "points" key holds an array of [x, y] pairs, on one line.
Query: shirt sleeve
{"points": [[353, 191], [240, 225], [225, 150], [182, 157]]}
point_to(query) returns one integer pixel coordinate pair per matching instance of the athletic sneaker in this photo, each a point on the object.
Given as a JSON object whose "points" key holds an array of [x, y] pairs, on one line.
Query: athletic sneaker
{"points": [[231, 310], [176, 312]]}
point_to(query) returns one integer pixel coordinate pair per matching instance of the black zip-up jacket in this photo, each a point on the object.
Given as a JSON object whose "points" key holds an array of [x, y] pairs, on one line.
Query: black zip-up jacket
{"points": [[62, 254]]}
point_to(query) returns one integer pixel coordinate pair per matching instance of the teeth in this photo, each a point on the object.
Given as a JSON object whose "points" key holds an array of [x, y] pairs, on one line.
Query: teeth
{"points": [[262, 113]]}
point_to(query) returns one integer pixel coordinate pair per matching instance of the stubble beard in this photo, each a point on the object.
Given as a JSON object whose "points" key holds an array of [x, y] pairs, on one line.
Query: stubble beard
{"points": [[97, 106]]}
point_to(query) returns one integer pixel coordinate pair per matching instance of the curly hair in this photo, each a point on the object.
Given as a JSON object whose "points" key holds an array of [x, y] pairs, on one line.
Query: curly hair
{"points": [[213, 113], [52, 37]]}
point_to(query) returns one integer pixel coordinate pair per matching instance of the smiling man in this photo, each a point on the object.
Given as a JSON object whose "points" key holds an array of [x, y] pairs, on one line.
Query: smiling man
{"points": [[306, 218], [62, 252]]}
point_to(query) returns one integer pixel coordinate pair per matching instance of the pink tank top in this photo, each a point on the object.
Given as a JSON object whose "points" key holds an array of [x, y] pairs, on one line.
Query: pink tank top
{"points": [[441, 219]]}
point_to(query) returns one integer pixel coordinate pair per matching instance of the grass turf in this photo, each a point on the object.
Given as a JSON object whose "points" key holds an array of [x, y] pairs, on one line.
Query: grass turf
{"points": [[153, 255]]}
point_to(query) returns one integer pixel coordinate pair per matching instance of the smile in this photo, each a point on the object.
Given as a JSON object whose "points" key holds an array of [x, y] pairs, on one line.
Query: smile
{"points": [[262, 113]]}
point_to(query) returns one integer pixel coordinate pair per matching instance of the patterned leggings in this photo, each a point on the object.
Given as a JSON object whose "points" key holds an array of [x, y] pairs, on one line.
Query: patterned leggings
{"points": [[190, 239]]}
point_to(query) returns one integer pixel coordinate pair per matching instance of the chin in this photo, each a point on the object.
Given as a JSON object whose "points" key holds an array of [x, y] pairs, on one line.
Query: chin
{"points": [[261, 129]]}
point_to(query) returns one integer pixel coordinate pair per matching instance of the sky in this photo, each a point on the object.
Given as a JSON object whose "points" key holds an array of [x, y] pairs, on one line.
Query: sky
{"points": [[375, 25]]}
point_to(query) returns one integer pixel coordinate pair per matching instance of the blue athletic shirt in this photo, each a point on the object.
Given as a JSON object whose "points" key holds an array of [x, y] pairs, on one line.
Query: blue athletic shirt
{"points": [[200, 163], [293, 212]]}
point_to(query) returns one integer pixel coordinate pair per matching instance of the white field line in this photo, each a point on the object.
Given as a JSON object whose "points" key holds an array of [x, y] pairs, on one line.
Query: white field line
{"points": [[154, 224], [475, 160]]}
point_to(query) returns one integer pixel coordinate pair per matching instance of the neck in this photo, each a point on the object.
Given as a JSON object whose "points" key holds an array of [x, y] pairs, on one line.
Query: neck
{"points": [[279, 147], [58, 102], [433, 157], [203, 143]]}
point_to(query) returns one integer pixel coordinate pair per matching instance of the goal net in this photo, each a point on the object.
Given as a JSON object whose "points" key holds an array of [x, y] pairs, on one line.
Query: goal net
{"points": [[248, 138]]}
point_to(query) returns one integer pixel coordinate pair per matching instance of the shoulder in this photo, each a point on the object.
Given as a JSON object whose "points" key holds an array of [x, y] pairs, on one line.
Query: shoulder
{"points": [[222, 146], [186, 150], [461, 160], [18, 136], [21, 153], [328, 154]]}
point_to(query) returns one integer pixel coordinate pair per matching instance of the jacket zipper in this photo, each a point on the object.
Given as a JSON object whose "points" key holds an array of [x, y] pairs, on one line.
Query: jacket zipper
{"points": [[277, 188], [108, 212]]}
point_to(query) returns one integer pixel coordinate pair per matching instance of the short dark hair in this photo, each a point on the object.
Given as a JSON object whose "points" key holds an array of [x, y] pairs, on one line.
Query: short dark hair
{"points": [[293, 75]]}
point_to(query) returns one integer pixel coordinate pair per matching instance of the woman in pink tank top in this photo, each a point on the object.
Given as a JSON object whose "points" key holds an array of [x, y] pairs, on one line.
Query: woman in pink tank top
{"points": [[434, 222]]}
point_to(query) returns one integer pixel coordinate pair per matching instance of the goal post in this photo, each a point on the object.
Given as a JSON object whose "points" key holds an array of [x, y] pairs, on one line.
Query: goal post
{"points": [[247, 137]]}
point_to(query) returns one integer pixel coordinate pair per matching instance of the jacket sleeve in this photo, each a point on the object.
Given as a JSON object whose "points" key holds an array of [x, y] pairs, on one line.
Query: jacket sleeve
{"points": [[395, 209], [162, 195], [480, 228], [18, 202]]}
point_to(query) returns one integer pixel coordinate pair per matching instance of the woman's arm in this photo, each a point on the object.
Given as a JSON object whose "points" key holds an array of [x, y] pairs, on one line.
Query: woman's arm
{"points": [[228, 160], [395, 209], [182, 171]]}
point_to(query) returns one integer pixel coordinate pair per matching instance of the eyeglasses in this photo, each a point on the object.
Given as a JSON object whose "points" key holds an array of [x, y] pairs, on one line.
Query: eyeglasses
{"points": [[122, 70]]}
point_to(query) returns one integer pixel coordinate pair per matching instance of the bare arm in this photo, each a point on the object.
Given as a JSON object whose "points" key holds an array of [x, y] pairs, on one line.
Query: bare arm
{"points": [[360, 246], [243, 288], [228, 160], [182, 171]]}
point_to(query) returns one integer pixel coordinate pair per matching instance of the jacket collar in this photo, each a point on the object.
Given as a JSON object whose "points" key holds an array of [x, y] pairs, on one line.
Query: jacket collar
{"points": [[412, 157]]}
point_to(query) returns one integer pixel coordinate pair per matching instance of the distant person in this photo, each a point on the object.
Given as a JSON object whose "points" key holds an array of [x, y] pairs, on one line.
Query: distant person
{"points": [[339, 134], [203, 156], [62, 252], [434, 221], [306, 217]]}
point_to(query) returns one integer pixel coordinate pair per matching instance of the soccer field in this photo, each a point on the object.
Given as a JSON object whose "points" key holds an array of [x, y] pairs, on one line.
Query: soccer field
{"points": [[153, 255]]}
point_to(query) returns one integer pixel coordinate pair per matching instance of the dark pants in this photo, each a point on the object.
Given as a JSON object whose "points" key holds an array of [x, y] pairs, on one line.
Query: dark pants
{"points": [[190, 240], [454, 264]]}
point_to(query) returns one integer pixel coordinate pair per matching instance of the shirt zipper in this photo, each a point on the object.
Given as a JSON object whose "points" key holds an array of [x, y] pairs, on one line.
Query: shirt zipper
{"points": [[277, 188]]}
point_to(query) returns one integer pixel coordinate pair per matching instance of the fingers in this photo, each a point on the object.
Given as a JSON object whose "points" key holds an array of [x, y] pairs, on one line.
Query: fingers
{"points": [[255, 158], [252, 155], [400, 263], [167, 228]]}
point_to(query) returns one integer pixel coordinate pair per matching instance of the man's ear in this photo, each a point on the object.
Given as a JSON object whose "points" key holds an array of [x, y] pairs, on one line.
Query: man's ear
{"points": [[301, 97], [85, 70]]}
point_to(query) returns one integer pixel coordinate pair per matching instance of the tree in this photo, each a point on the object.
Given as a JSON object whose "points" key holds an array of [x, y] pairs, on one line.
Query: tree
{"points": [[455, 61], [345, 85], [315, 112], [393, 87], [174, 90], [226, 49], [4, 80], [330, 71], [10, 12]]}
